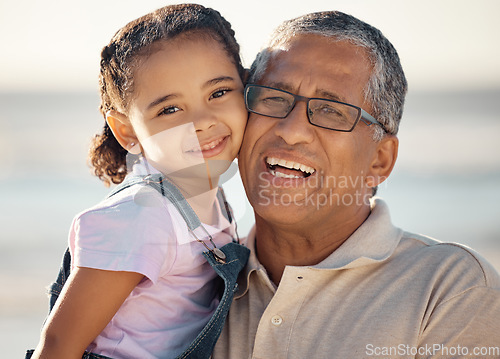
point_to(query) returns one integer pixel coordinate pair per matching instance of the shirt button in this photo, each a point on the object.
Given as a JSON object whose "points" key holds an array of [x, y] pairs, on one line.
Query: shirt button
{"points": [[276, 320]]}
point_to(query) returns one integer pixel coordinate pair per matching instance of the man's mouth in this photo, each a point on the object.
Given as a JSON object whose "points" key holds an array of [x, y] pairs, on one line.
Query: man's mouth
{"points": [[288, 169]]}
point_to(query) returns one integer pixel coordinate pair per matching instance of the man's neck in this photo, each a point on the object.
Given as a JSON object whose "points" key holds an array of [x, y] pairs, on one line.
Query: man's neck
{"points": [[280, 245]]}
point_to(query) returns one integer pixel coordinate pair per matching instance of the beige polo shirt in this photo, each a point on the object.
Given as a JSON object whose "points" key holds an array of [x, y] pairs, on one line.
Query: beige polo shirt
{"points": [[384, 293]]}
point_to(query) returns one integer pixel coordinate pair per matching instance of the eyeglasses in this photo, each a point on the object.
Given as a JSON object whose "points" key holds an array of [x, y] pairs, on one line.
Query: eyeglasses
{"points": [[329, 114]]}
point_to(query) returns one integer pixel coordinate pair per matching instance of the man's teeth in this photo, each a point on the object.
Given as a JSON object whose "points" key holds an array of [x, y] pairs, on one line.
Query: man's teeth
{"points": [[279, 174], [272, 161]]}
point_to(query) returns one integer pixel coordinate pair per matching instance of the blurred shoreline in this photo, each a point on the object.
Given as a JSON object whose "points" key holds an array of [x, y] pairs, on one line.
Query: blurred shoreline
{"points": [[445, 185]]}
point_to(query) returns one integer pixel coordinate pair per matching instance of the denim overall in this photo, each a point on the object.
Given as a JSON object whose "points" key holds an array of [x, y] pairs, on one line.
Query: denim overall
{"points": [[228, 269]]}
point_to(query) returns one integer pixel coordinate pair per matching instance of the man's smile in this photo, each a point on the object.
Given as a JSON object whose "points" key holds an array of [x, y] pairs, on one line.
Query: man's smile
{"points": [[288, 169]]}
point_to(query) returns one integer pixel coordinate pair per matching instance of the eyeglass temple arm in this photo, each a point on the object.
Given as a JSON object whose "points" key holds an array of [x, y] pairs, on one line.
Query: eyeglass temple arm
{"points": [[368, 119]]}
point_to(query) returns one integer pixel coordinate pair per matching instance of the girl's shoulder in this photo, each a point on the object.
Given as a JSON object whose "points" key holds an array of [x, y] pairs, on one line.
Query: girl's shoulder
{"points": [[137, 206], [138, 195], [130, 231]]}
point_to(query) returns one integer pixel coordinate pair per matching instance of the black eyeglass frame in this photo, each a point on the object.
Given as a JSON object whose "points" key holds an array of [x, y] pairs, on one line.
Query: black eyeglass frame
{"points": [[362, 114]]}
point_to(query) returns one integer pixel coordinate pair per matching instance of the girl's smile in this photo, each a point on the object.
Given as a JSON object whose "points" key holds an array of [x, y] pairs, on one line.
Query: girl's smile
{"points": [[211, 148]]}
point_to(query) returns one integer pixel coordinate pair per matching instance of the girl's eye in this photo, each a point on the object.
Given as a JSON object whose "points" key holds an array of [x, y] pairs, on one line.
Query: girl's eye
{"points": [[169, 110], [219, 93]]}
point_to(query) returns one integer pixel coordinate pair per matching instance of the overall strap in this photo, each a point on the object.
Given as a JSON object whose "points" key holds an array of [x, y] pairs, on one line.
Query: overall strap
{"points": [[166, 189], [172, 193], [128, 182], [224, 206]]}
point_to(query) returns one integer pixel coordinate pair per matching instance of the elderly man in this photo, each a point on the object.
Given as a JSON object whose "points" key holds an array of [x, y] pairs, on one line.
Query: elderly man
{"points": [[329, 275]]}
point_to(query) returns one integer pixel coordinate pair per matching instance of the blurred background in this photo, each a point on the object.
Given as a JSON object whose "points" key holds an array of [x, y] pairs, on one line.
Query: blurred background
{"points": [[446, 183]]}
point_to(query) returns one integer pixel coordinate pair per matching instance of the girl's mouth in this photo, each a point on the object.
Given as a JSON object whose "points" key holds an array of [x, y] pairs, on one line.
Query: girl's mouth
{"points": [[210, 148]]}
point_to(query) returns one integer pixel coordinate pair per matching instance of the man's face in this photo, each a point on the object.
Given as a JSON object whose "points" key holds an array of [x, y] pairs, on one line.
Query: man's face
{"points": [[294, 172]]}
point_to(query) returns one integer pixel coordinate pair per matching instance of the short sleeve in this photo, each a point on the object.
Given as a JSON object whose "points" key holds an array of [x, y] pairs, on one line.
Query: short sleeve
{"points": [[467, 316], [125, 236], [470, 320]]}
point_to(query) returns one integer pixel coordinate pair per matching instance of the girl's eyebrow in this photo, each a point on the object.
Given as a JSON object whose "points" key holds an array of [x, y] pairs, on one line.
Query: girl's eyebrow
{"points": [[160, 100], [209, 83], [217, 80]]}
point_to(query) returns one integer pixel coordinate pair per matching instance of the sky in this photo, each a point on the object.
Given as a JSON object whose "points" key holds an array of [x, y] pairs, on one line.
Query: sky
{"points": [[54, 45]]}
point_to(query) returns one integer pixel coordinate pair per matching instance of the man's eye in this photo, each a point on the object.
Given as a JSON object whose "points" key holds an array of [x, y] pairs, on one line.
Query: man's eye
{"points": [[274, 99], [275, 102], [219, 93], [330, 113], [169, 110], [329, 110]]}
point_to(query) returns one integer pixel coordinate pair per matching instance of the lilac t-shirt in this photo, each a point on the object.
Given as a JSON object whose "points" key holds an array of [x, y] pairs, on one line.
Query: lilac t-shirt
{"points": [[138, 230]]}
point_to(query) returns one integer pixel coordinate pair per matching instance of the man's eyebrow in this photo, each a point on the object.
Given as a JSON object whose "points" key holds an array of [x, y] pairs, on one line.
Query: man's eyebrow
{"points": [[282, 86], [330, 96], [327, 95], [218, 80]]}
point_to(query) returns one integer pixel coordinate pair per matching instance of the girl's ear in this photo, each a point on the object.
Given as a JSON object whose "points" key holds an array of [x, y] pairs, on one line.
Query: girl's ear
{"points": [[123, 131], [384, 160]]}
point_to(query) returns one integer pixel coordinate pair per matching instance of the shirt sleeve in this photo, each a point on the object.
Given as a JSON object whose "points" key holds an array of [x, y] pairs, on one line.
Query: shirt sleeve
{"points": [[126, 236], [466, 326], [467, 323]]}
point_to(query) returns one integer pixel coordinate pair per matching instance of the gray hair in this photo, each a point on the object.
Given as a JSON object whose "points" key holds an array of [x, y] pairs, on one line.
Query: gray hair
{"points": [[387, 86]]}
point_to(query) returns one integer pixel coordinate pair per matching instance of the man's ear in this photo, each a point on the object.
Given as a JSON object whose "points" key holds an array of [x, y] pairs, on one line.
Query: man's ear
{"points": [[384, 160], [122, 130]]}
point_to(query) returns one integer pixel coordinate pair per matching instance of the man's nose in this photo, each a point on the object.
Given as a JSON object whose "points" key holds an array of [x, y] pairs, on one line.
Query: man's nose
{"points": [[295, 128]]}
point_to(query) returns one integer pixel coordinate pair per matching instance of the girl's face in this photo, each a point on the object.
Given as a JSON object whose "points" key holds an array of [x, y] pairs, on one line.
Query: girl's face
{"points": [[187, 106]]}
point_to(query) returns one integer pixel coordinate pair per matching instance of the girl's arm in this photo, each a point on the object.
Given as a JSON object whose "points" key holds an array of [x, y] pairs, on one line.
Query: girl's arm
{"points": [[87, 303]]}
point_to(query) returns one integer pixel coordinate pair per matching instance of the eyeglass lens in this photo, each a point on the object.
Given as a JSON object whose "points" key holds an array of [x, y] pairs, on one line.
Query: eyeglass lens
{"points": [[324, 113]]}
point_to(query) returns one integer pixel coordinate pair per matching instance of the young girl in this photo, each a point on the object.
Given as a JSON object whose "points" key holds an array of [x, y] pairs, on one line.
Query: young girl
{"points": [[172, 96]]}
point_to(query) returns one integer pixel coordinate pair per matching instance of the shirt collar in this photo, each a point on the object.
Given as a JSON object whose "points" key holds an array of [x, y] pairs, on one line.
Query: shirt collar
{"points": [[374, 241], [142, 167]]}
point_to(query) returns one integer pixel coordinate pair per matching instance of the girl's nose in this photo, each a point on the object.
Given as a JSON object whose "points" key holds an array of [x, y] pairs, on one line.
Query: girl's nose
{"points": [[204, 119]]}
